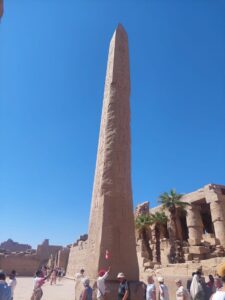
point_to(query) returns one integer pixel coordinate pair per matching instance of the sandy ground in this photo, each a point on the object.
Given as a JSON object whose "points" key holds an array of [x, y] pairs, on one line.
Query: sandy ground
{"points": [[63, 290]]}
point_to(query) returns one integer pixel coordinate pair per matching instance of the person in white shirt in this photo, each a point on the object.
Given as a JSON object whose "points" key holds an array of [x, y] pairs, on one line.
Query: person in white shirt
{"points": [[78, 277], [39, 280], [163, 289], [181, 292], [12, 282], [101, 290], [220, 294], [150, 290]]}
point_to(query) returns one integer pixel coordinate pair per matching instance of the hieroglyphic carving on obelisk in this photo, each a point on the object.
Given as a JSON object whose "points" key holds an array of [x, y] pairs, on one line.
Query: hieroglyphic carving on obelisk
{"points": [[111, 224]]}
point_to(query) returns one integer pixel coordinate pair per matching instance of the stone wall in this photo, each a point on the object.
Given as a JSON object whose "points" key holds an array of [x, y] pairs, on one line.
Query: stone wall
{"points": [[62, 259], [27, 263], [77, 259], [24, 264], [45, 250]]}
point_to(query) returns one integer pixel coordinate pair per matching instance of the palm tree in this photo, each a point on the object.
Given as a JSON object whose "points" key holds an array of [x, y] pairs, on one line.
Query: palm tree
{"points": [[142, 224], [158, 219], [172, 202]]}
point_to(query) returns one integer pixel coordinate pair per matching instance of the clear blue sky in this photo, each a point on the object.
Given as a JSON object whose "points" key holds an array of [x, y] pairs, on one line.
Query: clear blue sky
{"points": [[53, 56]]}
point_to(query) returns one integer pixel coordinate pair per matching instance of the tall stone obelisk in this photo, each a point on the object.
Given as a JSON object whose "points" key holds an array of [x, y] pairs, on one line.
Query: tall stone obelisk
{"points": [[111, 226]]}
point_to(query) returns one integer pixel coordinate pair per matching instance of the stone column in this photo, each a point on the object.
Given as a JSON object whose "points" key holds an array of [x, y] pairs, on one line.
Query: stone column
{"points": [[217, 207], [195, 225], [179, 229], [111, 225]]}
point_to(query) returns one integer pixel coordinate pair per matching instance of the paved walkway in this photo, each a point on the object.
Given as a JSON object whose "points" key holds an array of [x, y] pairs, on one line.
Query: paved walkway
{"points": [[63, 290]]}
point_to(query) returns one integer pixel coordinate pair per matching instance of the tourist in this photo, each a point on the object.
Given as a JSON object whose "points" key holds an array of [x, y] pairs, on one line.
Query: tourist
{"points": [[189, 281], [181, 292], [78, 277], [163, 289], [53, 277], [39, 280], [123, 290], [61, 273], [196, 289], [87, 291], [48, 273], [210, 287], [44, 270], [101, 290], [5, 290], [220, 294], [218, 283], [12, 281], [150, 289]]}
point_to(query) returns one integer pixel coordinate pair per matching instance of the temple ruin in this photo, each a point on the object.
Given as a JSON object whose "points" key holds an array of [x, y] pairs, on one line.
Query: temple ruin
{"points": [[27, 261], [200, 231]]}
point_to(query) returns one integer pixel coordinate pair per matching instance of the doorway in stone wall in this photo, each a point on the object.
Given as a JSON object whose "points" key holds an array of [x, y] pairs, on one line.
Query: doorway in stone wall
{"points": [[183, 223], [206, 218]]}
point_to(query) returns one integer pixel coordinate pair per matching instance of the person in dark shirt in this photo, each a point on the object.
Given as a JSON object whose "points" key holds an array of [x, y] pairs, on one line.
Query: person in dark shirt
{"points": [[123, 290]]}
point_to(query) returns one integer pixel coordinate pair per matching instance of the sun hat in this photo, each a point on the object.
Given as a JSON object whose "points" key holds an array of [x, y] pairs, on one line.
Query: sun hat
{"points": [[221, 270], [121, 275], [160, 279], [86, 281], [101, 273]]}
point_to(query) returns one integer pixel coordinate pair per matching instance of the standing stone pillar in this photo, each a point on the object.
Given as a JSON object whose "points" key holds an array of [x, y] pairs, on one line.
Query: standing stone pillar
{"points": [[111, 226], [179, 229], [195, 225], [217, 207]]}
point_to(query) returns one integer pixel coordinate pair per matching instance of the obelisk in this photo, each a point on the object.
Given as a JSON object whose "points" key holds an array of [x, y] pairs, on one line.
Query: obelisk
{"points": [[111, 226]]}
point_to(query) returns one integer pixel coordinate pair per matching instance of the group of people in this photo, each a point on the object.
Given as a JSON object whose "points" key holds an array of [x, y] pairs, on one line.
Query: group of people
{"points": [[87, 292], [197, 288], [52, 274], [7, 287], [43, 275]]}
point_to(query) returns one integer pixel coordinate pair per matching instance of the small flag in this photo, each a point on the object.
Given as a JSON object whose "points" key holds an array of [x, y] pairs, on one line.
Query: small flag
{"points": [[106, 254]]}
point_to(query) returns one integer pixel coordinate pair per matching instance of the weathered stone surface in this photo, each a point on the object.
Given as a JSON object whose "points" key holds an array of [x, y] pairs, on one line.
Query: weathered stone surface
{"points": [[62, 258], [27, 263], [195, 226], [210, 239], [77, 260], [194, 242], [188, 256], [142, 209], [198, 250], [215, 197], [111, 224]]}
